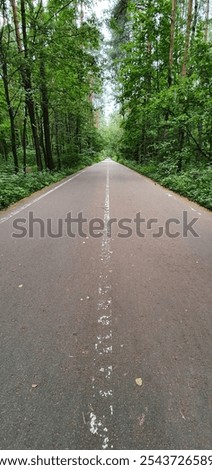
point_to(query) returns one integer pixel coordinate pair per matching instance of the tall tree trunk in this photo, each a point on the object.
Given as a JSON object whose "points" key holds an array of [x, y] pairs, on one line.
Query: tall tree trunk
{"points": [[24, 139], [41, 139], [4, 150], [45, 103], [9, 105], [181, 142], [26, 77], [207, 20], [187, 39], [16, 24], [171, 50], [171, 56], [148, 48], [45, 111], [149, 75], [78, 136], [81, 13], [57, 142], [194, 21]]}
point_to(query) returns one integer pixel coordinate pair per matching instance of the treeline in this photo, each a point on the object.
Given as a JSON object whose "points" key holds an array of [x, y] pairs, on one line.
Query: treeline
{"points": [[49, 73], [162, 65]]}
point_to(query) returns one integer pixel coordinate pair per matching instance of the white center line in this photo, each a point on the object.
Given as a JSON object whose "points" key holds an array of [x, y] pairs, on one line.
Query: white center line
{"points": [[103, 348]]}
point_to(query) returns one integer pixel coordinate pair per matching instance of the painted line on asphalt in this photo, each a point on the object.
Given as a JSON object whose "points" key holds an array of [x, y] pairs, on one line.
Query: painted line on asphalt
{"points": [[25, 206], [28, 204], [195, 210], [102, 395]]}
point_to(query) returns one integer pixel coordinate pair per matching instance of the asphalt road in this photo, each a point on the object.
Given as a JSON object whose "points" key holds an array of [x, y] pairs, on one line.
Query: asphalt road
{"points": [[106, 342]]}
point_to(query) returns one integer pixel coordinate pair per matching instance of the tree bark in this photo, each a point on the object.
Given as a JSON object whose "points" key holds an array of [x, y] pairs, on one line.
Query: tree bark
{"points": [[181, 142], [16, 24], [57, 142], [26, 77], [187, 39], [207, 20], [9, 105], [195, 21], [171, 50], [45, 111], [24, 139]]}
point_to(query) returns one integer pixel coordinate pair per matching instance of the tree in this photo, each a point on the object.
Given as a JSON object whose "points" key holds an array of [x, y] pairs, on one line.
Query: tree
{"points": [[5, 78], [187, 39], [163, 82], [51, 55], [171, 49], [207, 19], [26, 75]]}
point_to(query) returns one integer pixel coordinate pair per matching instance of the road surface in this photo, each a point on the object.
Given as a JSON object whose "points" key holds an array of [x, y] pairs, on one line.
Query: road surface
{"points": [[105, 341]]}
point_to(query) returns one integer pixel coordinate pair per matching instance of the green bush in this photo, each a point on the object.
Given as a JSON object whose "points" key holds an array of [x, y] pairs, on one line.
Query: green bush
{"points": [[16, 187], [194, 183]]}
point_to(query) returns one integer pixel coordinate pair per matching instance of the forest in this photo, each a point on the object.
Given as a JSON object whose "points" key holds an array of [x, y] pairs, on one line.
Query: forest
{"points": [[162, 69], [50, 73], [54, 60]]}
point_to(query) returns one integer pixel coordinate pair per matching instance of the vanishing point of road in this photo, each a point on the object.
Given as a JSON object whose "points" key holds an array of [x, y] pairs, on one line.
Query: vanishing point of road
{"points": [[105, 340]]}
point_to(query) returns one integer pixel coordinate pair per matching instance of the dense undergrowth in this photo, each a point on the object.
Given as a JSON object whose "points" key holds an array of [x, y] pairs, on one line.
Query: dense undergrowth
{"points": [[194, 183], [15, 187]]}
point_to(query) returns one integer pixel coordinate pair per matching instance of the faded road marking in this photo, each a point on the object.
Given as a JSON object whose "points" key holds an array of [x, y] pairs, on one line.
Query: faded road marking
{"points": [[100, 418]]}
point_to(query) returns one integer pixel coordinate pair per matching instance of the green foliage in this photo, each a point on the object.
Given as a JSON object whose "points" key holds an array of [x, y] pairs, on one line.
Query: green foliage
{"points": [[60, 55], [194, 183], [166, 113], [111, 135], [15, 187]]}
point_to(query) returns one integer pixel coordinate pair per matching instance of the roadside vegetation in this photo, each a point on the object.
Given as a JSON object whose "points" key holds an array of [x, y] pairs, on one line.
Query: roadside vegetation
{"points": [[49, 76], [161, 57], [52, 66], [194, 183], [14, 187]]}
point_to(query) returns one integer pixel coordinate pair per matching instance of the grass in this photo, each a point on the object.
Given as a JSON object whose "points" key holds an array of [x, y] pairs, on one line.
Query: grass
{"points": [[194, 183], [15, 187]]}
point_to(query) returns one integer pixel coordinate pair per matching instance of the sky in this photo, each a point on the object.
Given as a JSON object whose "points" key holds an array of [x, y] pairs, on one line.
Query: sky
{"points": [[100, 8]]}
